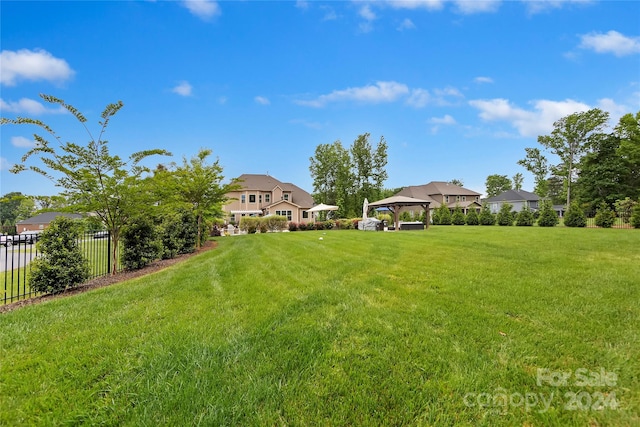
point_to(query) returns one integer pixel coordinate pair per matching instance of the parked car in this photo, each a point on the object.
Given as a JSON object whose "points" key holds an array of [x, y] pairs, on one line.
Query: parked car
{"points": [[5, 240], [29, 237]]}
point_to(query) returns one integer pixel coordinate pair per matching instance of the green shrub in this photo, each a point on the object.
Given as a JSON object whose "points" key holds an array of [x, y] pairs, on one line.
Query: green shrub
{"points": [[329, 224], [504, 216], [486, 217], [442, 215], [472, 217], [275, 222], [525, 217], [624, 209], [548, 217], [458, 216], [140, 245], [293, 226], [605, 217], [302, 226], [249, 224], [575, 216], [635, 216], [62, 264]]}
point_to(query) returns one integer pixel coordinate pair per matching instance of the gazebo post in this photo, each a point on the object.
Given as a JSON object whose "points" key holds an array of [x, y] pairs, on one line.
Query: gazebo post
{"points": [[396, 222], [427, 220]]}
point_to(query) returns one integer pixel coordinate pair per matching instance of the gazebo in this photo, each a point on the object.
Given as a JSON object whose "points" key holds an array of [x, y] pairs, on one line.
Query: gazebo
{"points": [[395, 203]]}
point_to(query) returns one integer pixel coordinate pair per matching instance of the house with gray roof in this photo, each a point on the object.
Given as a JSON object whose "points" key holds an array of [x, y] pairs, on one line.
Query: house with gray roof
{"points": [[42, 221], [519, 199], [441, 192], [261, 195]]}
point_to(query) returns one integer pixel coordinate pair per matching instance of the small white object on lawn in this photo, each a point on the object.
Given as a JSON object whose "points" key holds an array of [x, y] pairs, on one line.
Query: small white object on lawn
{"points": [[320, 238]]}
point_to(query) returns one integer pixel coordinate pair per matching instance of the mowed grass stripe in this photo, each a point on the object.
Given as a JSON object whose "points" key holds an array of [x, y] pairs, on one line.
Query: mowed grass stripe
{"points": [[359, 328]]}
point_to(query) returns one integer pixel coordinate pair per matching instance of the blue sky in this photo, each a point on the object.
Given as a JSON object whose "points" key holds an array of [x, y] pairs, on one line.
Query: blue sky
{"points": [[457, 89]]}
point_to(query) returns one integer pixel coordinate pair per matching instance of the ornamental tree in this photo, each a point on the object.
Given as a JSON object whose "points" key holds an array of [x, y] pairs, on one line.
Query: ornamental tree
{"points": [[93, 180]]}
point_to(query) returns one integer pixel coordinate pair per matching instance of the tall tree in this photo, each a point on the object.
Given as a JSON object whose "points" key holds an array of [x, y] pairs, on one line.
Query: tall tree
{"points": [[330, 169], [497, 184], [198, 185], [10, 207], [517, 180], [536, 163], [628, 130], [571, 137], [93, 179], [368, 168], [457, 182]]}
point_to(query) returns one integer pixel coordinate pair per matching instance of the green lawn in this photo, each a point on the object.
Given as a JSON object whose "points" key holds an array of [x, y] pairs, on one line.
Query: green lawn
{"points": [[415, 328]]}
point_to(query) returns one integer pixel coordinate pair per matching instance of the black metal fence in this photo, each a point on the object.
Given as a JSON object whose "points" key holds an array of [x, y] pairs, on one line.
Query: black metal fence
{"points": [[18, 251]]}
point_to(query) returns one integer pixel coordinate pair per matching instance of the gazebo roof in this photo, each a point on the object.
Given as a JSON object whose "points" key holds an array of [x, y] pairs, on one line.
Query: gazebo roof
{"points": [[399, 201]]}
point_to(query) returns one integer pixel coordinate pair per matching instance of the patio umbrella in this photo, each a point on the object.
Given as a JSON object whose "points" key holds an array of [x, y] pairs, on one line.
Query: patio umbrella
{"points": [[365, 208], [322, 207]]}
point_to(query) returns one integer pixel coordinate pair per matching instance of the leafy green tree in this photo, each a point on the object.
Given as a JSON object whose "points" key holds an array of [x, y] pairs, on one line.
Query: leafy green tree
{"points": [[504, 216], [369, 171], [602, 174], [571, 138], [624, 208], [517, 180], [458, 216], [575, 217], [628, 131], [605, 217], [536, 163], [8, 207], [548, 217], [486, 217], [457, 182], [635, 215], [525, 217], [330, 169], [61, 264], [93, 179], [497, 184], [198, 187], [443, 215], [472, 217]]}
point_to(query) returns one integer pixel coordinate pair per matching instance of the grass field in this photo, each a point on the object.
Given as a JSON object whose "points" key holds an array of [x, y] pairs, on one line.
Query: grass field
{"points": [[452, 326]]}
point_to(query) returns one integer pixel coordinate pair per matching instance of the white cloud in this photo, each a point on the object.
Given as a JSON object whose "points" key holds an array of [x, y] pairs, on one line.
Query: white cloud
{"points": [[406, 24], [419, 98], [22, 142], [329, 13], [28, 106], [32, 65], [203, 9], [262, 100], [481, 79], [416, 4], [370, 94], [4, 164], [183, 89], [611, 42], [538, 121], [537, 6], [446, 120], [366, 13], [468, 7], [301, 4]]}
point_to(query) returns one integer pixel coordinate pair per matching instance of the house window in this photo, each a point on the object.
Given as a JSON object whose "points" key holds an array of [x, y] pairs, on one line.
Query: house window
{"points": [[284, 213], [464, 198], [252, 198], [243, 198], [286, 196], [267, 198], [305, 214], [477, 198], [446, 199], [259, 198], [457, 198]]}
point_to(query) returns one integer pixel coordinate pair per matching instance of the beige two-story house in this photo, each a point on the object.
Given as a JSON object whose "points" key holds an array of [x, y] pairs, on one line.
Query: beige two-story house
{"points": [[441, 192], [264, 195]]}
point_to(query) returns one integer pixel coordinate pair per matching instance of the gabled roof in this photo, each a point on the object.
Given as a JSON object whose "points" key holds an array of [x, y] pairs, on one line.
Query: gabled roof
{"points": [[514, 196], [266, 183], [436, 188], [47, 217]]}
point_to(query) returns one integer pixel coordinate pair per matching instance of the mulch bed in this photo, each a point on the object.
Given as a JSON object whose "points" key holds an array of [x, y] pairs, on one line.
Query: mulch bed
{"points": [[100, 282]]}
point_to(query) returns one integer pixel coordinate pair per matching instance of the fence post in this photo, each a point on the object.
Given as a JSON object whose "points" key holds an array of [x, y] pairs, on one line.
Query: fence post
{"points": [[109, 252]]}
